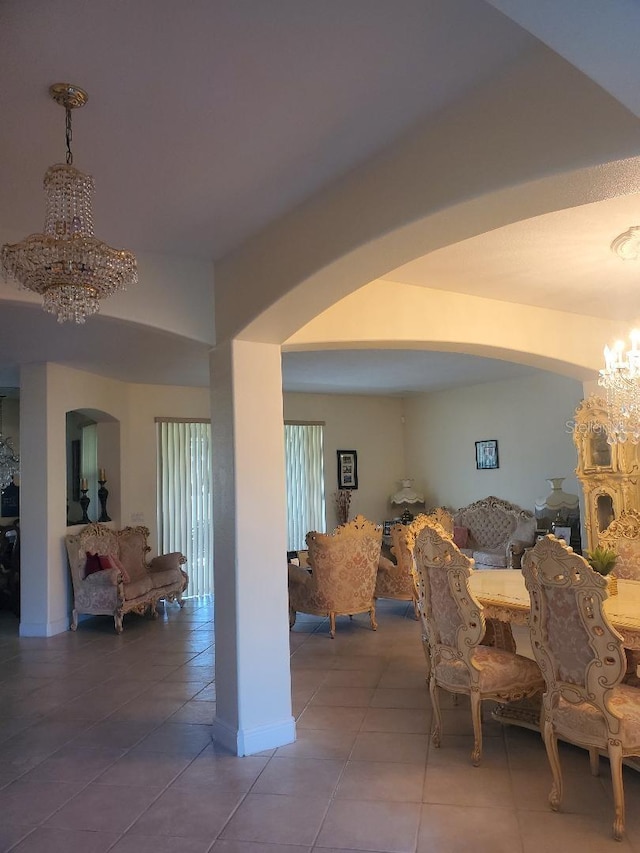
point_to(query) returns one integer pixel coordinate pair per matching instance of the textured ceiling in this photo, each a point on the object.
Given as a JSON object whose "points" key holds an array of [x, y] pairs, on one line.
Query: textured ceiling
{"points": [[209, 119]]}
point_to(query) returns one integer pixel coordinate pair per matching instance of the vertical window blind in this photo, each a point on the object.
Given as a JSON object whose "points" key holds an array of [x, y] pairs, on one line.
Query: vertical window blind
{"points": [[305, 482], [184, 498]]}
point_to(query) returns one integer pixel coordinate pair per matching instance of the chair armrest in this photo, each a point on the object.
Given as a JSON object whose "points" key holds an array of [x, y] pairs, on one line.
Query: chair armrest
{"points": [[298, 575], [164, 562], [105, 577]]}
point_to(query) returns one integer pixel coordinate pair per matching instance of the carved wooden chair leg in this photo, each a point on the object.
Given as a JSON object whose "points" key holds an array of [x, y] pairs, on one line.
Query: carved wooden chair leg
{"points": [[292, 617], [332, 625], [437, 716], [372, 617], [551, 744], [416, 612], [615, 760], [74, 620], [117, 618], [476, 716]]}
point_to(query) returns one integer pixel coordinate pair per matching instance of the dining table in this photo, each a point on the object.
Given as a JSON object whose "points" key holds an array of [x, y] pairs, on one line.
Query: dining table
{"points": [[504, 596]]}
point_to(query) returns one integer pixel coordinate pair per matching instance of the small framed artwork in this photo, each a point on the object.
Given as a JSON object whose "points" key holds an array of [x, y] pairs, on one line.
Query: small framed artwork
{"points": [[563, 533], [487, 454], [347, 469]]}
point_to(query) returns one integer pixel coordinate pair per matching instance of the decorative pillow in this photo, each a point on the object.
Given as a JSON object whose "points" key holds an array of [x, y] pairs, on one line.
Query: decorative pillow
{"points": [[108, 561], [460, 536], [92, 565]]}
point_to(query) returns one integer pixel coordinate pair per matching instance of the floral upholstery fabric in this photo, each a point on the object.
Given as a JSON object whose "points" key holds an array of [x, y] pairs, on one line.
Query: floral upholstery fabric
{"points": [[567, 636], [444, 609], [499, 672], [344, 567], [623, 537], [394, 581], [628, 563], [587, 719], [133, 552]]}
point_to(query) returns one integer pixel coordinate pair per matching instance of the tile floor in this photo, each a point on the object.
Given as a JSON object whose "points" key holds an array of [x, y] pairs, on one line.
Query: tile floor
{"points": [[105, 746]]}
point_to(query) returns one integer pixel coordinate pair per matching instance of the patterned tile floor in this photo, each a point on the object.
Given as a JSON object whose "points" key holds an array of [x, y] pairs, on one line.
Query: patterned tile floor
{"points": [[105, 745]]}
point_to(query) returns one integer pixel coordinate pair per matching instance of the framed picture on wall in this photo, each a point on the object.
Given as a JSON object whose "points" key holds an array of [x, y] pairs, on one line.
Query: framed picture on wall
{"points": [[563, 533], [487, 454], [347, 469]]}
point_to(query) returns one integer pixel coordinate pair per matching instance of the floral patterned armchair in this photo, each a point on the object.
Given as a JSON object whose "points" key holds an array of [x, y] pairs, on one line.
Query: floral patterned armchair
{"points": [[583, 662], [397, 580], [454, 624], [343, 573]]}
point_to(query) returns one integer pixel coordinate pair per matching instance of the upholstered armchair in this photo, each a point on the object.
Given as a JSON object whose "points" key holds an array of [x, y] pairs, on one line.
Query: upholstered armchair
{"points": [[397, 580], [583, 663], [454, 623], [342, 577]]}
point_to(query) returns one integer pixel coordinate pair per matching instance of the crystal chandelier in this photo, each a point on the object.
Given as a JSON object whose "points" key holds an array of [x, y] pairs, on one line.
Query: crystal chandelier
{"points": [[67, 265], [621, 379], [9, 462]]}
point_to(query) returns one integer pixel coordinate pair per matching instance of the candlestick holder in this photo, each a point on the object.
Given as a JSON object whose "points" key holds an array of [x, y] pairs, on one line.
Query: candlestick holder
{"points": [[84, 503], [103, 494]]}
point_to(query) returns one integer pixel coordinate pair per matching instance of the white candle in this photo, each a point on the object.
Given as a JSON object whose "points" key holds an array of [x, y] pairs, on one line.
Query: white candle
{"points": [[102, 476], [83, 484]]}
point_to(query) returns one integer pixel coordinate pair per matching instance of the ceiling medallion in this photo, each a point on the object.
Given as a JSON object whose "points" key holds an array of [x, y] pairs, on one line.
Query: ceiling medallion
{"points": [[627, 244], [67, 265]]}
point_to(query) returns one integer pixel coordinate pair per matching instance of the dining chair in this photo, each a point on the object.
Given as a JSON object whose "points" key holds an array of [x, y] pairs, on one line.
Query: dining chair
{"points": [[342, 577], [582, 659], [455, 624], [623, 537]]}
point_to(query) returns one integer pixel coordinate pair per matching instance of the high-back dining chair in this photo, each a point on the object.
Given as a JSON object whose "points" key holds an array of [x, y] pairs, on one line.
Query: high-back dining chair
{"points": [[623, 537], [343, 572], [583, 661], [454, 622]]}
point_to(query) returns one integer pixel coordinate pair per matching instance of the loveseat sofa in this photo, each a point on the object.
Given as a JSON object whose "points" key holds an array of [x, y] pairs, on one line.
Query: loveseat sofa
{"points": [[494, 532], [111, 576]]}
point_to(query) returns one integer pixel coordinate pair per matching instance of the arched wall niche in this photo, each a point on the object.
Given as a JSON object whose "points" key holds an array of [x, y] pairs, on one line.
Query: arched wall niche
{"points": [[92, 445]]}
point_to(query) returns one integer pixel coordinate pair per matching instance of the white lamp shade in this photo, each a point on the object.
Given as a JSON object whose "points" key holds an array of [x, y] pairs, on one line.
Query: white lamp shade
{"points": [[406, 495]]}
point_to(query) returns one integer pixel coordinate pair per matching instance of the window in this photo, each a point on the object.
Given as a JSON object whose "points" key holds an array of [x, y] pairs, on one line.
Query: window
{"points": [[184, 498], [305, 482]]}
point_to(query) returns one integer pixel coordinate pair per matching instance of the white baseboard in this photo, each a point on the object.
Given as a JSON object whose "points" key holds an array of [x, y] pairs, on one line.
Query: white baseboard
{"points": [[250, 741], [44, 629]]}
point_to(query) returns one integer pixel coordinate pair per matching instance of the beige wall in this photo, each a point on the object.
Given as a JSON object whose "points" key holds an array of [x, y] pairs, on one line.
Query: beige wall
{"points": [[527, 416], [138, 438], [370, 425]]}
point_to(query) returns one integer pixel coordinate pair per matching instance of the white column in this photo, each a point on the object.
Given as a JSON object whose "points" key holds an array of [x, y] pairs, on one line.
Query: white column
{"points": [[253, 681], [44, 583]]}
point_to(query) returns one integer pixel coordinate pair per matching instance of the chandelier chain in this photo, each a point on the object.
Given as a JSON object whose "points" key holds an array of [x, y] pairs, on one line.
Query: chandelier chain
{"points": [[69, 136]]}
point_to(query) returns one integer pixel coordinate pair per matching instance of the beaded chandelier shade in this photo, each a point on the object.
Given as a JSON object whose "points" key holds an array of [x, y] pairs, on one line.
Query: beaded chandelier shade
{"points": [[67, 265]]}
